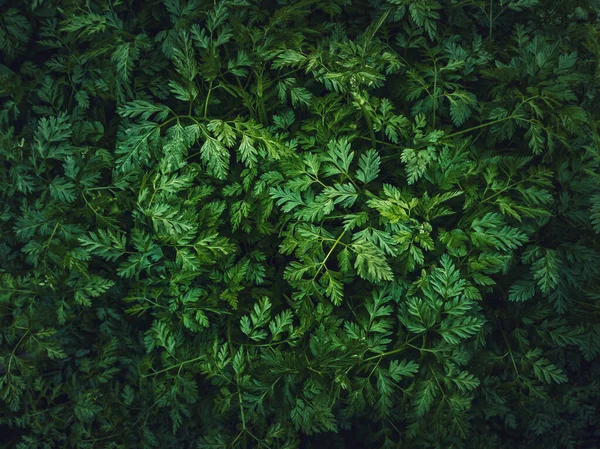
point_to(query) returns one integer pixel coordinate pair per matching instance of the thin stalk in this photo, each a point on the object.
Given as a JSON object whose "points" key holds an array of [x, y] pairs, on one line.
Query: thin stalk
{"points": [[207, 98]]}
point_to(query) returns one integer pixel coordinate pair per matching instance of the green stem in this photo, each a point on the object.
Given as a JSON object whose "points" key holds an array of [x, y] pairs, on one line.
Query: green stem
{"points": [[369, 125], [511, 357], [12, 354], [327, 255], [173, 367], [207, 98], [483, 125], [393, 351]]}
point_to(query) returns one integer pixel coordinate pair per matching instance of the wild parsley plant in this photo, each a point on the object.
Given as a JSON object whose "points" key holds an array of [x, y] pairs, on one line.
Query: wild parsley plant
{"points": [[286, 224]]}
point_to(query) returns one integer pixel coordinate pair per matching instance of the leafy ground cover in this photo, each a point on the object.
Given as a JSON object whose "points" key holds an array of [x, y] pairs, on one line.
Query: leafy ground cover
{"points": [[299, 224]]}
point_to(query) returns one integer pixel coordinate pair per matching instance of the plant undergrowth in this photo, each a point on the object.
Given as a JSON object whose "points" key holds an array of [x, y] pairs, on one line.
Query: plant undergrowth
{"points": [[299, 224]]}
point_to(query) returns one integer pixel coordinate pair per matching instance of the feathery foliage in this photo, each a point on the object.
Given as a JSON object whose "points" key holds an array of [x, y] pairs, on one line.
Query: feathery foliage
{"points": [[299, 224]]}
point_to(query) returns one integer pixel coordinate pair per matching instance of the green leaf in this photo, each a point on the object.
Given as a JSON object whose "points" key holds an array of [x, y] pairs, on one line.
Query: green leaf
{"points": [[105, 243], [334, 288], [417, 162], [352, 221], [63, 190], [368, 166], [455, 329], [183, 93], [446, 280], [124, 57], [548, 372], [280, 324], [401, 369], [286, 198], [134, 144], [463, 380], [370, 262], [461, 106], [261, 314], [490, 230], [259, 317], [187, 260], [520, 5], [343, 194], [223, 132], [546, 271], [212, 442], [423, 398], [247, 151], [595, 215], [144, 110], [340, 155], [91, 287], [300, 95], [288, 58], [216, 157], [522, 290], [167, 220], [175, 147]]}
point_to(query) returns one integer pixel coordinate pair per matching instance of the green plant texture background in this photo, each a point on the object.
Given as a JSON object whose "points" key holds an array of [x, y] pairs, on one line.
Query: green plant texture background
{"points": [[288, 224]]}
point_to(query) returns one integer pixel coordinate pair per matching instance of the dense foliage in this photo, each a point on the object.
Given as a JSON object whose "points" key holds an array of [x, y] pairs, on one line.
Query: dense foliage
{"points": [[299, 224]]}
